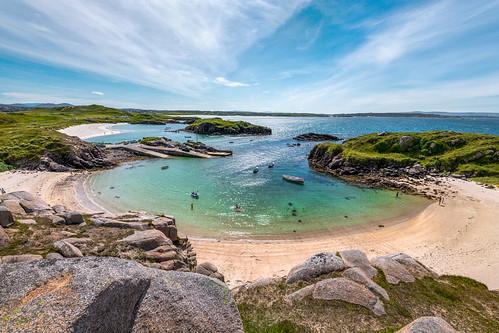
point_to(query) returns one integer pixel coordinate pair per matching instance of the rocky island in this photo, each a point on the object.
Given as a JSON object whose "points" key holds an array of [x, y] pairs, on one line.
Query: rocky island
{"points": [[218, 126], [375, 158], [316, 137]]}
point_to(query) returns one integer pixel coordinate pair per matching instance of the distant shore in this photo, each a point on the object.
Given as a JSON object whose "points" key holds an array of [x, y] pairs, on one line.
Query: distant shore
{"points": [[459, 237], [87, 131]]}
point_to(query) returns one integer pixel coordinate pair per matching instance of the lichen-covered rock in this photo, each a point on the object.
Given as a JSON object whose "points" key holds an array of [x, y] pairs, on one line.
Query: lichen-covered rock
{"points": [[93, 294], [28, 201], [299, 294], [358, 275], [394, 271], [6, 217], [4, 238], [73, 218], [318, 264], [146, 240], [14, 207], [428, 325], [19, 258], [342, 289], [54, 256], [113, 223], [357, 258], [67, 249], [417, 269]]}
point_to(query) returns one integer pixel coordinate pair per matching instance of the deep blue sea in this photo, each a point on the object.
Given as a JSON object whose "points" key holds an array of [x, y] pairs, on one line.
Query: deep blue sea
{"points": [[270, 205]]}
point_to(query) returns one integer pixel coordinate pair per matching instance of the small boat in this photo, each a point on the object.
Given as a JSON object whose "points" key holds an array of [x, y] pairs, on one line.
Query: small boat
{"points": [[271, 165], [255, 170], [195, 195], [294, 179]]}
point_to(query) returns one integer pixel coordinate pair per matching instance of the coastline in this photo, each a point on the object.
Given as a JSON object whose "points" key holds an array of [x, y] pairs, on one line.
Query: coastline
{"points": [[87, 131], [456, 238]]}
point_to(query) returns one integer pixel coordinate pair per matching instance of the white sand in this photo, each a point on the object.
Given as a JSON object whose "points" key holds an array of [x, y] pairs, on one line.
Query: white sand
{"points": [[87, 131], [461, 237]]}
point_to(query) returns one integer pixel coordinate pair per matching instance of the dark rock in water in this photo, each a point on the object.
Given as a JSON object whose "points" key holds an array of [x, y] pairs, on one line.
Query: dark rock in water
{"points": [[6, 217], [93, 294], [316, 137], [428, 325]]}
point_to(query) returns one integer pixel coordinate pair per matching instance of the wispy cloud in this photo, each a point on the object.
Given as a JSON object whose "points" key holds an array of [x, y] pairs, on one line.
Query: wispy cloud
{"points": [[228, 83], [173, 45], [99, 93], [424, 58]]}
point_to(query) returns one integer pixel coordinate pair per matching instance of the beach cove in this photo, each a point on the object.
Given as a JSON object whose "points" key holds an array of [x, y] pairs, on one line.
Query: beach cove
{"points": [[460, 232]]}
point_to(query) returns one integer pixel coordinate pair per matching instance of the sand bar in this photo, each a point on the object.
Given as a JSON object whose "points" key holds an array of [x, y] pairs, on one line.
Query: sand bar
{"points": [[461, 237]]}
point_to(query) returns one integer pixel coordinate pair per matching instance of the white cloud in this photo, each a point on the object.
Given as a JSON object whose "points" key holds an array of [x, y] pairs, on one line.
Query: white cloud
{"points": [[172, 45], [228, 83], [424, 58], [99, 93]]}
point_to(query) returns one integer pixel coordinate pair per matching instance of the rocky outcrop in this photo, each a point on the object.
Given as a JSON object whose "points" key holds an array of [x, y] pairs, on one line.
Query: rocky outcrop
{"points": [[6, 217], [73, 217], [67, 249], [29, 202], [218, 126], [428, 325], [146, 240], [318, 264], [20, 258], [349, 291], [393, 270], [209, 269], [316, 137], [358, 275], [93, 294], [357, 258], [4, 238]]}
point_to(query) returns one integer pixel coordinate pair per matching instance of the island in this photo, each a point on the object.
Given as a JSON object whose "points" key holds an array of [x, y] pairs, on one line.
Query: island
{"points": [[383, 155], [316, 137], [218, 126]]}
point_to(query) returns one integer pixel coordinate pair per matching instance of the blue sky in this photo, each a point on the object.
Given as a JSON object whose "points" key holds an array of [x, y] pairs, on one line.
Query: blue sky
{"points": [[320, 56]]}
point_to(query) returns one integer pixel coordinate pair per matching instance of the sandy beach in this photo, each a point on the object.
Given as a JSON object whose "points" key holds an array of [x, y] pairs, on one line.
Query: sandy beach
{"points": [[87, 131], [459, 237]]}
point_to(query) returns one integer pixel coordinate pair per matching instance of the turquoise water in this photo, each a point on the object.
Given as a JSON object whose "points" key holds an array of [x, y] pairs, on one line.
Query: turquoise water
{"points": [[270, 205]]}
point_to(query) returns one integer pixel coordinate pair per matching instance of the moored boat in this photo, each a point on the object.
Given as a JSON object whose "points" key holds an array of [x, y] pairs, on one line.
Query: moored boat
{"points": [[293, 179]]}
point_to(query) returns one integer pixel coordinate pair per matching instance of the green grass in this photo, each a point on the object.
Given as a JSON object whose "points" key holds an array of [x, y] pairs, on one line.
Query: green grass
{"points": [[473, 155], [463, 302], [25, 136]]}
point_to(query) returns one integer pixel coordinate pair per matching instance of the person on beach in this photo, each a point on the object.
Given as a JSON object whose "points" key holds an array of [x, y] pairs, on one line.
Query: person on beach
{"points": [[192, 205], [397, 195]]}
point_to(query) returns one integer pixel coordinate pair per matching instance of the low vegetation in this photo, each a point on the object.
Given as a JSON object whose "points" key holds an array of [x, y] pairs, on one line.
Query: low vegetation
{"points": [[26, 136], [465, 303], [218, 126], [473, 155]]}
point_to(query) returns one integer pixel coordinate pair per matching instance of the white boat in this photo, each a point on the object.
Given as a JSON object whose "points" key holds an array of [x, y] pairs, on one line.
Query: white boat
{"points": [[293, 179], [195, 195]]}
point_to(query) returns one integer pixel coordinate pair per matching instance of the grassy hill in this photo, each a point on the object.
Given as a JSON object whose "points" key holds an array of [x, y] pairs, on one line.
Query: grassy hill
{"points": [[465, 303], [473, 155], [25, 136]]}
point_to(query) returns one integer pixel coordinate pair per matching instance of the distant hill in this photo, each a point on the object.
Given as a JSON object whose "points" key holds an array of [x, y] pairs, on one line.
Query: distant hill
{"points": [[24, 106]]}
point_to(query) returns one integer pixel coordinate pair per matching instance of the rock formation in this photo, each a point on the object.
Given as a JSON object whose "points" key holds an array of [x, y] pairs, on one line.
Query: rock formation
{"points": [[316, 137], [96, 294], [218, 126]]}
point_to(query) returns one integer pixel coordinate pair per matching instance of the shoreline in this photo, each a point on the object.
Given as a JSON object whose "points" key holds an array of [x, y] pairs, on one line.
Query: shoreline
{"points": [[456, 238], [87, 131]]}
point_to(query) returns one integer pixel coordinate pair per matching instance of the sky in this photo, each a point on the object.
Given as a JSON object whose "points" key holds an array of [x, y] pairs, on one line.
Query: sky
{"points": [[323, 56]]}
